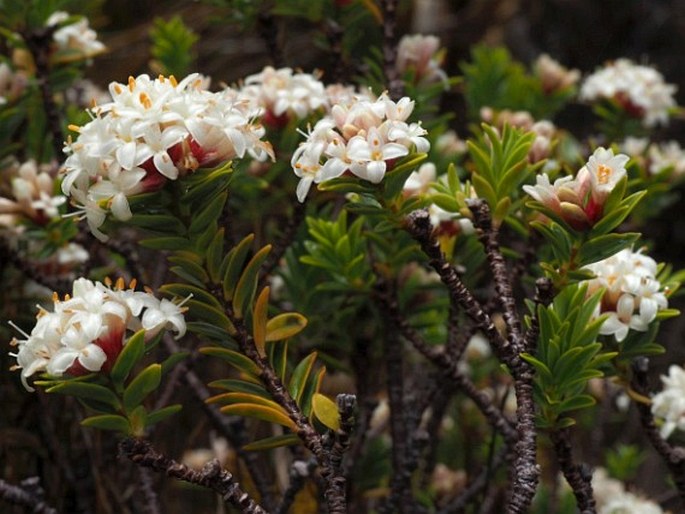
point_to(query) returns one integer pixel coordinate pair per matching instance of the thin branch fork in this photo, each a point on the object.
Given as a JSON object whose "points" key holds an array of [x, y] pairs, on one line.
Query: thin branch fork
{"points": [[212, 476], [673, 456], [525, 471], [578, 476]]}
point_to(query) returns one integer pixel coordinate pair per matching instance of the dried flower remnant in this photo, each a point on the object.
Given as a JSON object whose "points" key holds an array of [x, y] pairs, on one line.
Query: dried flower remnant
{"points": [[640, 90], [669, 404], [154, 131], [74, 41], [632, 294], [86, 331], [364, 138], [580, 200]]}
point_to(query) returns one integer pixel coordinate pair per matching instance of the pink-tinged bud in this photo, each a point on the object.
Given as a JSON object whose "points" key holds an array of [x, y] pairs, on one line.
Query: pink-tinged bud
{"points": [[275, 122], [575, 216]]}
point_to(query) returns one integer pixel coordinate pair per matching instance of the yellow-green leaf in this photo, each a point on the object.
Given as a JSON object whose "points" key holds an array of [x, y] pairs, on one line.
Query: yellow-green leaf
{"points": [[108, 422], [259, 322], [284, 326], [298, 380], [247, 283], [273, 442], [235, 359], [233, 263], [326, 411], [262, 412]]}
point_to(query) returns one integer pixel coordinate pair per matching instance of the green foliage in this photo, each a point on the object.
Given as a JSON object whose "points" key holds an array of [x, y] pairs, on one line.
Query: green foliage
{"points": [[623, 461], [501, 166], [172, 46], [568, 355]]}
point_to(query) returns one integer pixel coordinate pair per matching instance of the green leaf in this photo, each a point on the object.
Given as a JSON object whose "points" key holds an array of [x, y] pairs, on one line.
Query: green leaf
{"points": [[247, 283], [185, 290], [172, 360], [161, 414], [605, 246], [259, 321], [240, 386], [141, 386], [209, 213], [235, 359], [582, 401], [234, 264], [158, 223], [276, 441], [326, 411], [211, 315], [130, 354], [284, 326], [214, 256], [298, 380], [262, 412], [166, 243], [108, 422], [87, 391], [191, 268]]}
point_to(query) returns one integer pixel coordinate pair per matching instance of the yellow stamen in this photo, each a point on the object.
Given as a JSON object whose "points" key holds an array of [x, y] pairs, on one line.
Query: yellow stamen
{"points": [[133, 283], [603, 174], [173, 80], [55, 297], [74, 128], [120, 284], [108, 282], [131, 84], [117, 89], [145, 100]]}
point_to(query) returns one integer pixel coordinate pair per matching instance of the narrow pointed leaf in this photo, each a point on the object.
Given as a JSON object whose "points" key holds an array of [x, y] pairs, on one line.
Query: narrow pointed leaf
{"points": [[244, 290], [141, 386], [298, 380], [276, 441], [234, 264], [284, 326], [259, 322], [108, 422], [235, 359], [260, 412], [87, 391], [130, 355], [163, 413]]}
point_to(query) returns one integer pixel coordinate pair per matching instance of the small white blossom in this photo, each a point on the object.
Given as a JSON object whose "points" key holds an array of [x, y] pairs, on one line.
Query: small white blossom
{"points": [[364, 137], [77, 38], [612, 497], [420, 54], [86, 330], [666, 155], [669, 404], [151, 132], [554, 76], [632, 294], [640, 90]]}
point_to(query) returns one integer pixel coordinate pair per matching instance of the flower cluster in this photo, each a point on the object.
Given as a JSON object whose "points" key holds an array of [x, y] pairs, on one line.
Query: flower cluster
{"points": [[639, 90], [419, 54], [579, 200], [154, 131], [284, 94], [553, 76], [364, 138], [86, 330], [669, 404], [33, 197], [612, 498], [76, 40], [632, 294]]}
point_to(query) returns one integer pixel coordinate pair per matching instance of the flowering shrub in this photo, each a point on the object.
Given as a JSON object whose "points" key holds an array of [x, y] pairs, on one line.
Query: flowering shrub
{"points": [[464, 297]]}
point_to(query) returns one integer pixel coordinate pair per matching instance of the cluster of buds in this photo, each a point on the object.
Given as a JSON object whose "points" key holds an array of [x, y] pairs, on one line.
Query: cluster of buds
{"points": [[32, 195], [639, 90], [154, 131], [364, 138], [285, 95], [579, 200], [669, 404], [86, 331], [74, 41], [420, 55], [553, 76], [632, 294]]}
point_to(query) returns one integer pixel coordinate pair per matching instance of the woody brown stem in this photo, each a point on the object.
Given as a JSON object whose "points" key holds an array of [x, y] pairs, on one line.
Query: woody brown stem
{"points": [[392, 77], [28, 494], [579, 477], [212, 476]]}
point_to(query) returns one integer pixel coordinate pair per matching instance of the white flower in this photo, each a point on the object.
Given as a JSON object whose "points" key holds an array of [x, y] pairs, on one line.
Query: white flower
{"points": [[641, 90], [606, 169], [153, 131], [612, 497], [363, 137], [669, 404], [632, 294], [420, 54], [554, 76], [76, 38], [282, 92], [666, 155], [86, 330]]}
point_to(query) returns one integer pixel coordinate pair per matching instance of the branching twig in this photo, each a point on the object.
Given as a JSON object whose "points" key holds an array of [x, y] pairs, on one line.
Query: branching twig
{"points": [[211, 476], [673, 456], [28, 494], [579, 477]]}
